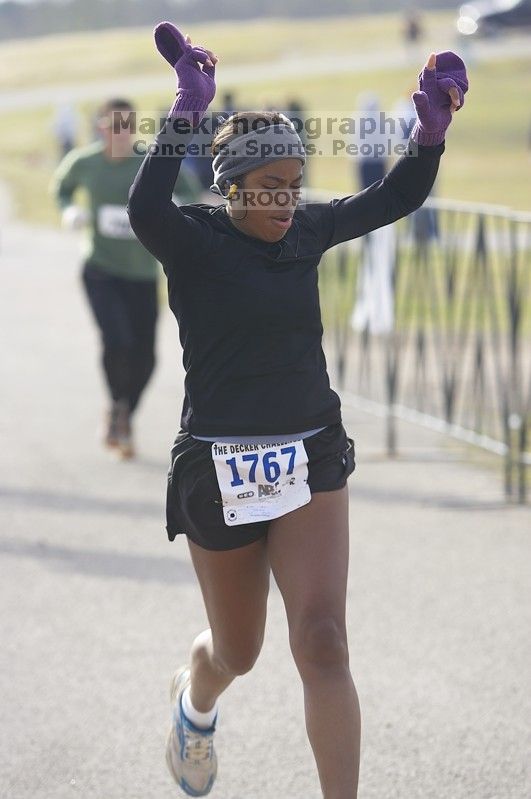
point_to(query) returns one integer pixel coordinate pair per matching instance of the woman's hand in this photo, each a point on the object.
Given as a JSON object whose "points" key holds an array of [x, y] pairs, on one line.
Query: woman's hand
{"points": [[443, 84], [74, 217], [195, 66]]}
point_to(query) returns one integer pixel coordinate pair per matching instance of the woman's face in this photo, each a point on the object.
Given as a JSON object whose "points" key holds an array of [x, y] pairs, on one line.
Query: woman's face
{"points": [[265, 204]]}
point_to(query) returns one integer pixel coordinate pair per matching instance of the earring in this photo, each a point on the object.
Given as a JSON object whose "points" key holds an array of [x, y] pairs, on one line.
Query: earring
{"points": [[232, 192]]}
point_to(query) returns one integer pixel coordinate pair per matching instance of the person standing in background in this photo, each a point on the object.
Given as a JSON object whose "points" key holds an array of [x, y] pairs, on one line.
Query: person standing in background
{"points": [[297, 116], [371, 162], [200, 162], [65, 128], [424, 221], [373, 307], [412, 31], [119, 276]]}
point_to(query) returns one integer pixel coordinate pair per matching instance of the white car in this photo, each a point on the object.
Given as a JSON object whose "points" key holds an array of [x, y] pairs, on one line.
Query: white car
{"points": [[491, 17]]}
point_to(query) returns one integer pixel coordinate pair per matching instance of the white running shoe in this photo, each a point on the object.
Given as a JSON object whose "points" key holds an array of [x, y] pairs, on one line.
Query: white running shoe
{"points": [[190, 751]]}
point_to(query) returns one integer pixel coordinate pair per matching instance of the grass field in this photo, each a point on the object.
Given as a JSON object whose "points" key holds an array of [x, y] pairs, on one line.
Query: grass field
{"points": [[487, 157], [89, 56]]}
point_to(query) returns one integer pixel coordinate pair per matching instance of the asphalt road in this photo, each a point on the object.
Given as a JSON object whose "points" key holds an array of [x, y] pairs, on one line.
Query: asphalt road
{"points": [[98, 608]]}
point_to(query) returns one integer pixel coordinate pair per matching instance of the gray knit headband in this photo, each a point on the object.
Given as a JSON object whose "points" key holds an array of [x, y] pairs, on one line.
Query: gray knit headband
{"points": [[254, 149]]}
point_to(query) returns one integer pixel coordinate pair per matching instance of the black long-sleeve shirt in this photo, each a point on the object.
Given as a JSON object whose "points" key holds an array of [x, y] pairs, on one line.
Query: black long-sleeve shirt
{"points": [[248, 311]]}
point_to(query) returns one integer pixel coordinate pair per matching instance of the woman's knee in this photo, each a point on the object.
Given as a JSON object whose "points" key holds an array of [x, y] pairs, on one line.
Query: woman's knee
{"points": [[238, 657], [319, 644]]}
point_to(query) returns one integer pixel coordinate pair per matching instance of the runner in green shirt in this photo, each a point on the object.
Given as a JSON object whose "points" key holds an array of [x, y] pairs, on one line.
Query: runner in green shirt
{"points": [[119, 275]]}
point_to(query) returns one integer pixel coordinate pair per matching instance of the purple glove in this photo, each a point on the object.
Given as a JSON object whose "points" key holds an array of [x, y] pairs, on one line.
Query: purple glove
{"points": [[443, 84], [196, 87]]}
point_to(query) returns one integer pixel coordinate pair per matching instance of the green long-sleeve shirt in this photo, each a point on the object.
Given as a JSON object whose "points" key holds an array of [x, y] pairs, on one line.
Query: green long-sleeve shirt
{"points": [[110, 242]]}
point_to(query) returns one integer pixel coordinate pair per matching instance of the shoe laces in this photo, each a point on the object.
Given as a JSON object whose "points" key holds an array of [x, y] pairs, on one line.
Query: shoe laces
{"points": [[198, 746]]}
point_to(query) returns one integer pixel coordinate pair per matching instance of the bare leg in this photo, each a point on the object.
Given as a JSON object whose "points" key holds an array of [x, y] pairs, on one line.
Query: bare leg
{"points": [[308, 550], [235, 585]]}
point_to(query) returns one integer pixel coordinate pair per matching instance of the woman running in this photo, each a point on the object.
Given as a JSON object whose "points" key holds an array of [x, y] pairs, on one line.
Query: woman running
{"points": [[258, 470], [119, 277]]}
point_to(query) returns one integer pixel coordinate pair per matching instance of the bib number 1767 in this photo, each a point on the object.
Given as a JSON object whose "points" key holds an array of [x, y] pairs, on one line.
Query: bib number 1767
{"points": [[269, 462], [258, 482]]}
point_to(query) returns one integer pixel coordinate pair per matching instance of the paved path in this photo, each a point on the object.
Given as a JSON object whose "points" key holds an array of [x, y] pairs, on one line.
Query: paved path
{"points": [[317, 65], [98, 609]]}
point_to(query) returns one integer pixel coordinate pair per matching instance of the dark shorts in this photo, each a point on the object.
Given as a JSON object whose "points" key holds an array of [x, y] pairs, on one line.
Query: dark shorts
{"points": [[193, 503]]}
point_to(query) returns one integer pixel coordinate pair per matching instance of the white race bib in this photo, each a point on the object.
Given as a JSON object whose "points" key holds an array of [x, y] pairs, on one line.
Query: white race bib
{"points": [[113, 222], [259, 482]]}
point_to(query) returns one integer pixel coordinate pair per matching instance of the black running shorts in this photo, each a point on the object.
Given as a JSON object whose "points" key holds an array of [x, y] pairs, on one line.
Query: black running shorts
{"points": [[193, 503]]}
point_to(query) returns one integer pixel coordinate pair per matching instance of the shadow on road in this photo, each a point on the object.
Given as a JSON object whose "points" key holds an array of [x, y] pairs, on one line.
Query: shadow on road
{"points": [[419, 499], [99, 563], [31, 499]]}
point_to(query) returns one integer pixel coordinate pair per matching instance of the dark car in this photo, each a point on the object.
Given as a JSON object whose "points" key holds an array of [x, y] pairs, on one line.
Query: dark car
{"points": [[489, 17]]}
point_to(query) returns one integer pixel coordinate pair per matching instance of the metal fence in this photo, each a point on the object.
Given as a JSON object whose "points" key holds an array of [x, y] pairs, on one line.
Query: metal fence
{"points": [[428, 320]]}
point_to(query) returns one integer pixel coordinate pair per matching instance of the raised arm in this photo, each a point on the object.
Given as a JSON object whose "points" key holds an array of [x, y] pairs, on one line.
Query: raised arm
{"points": [[442, 86], [401, 191], [159, 224]]}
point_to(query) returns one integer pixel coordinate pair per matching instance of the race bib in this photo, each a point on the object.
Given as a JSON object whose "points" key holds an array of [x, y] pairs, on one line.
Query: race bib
{"points": [[259, 482], [113, 222]]}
